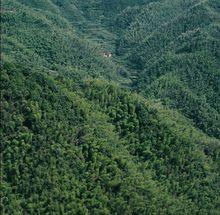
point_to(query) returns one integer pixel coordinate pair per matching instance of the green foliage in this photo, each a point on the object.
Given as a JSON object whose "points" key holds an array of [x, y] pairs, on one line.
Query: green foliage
{"points": [[73, 143], [174, 52]]}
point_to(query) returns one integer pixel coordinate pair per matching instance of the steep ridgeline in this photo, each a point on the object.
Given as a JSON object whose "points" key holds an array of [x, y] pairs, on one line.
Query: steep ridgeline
{"points": [[173, 49], [75, 141]]}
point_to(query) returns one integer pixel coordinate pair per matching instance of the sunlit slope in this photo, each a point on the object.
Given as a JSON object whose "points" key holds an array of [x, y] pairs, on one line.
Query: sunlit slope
{"points": [[96, 148]]}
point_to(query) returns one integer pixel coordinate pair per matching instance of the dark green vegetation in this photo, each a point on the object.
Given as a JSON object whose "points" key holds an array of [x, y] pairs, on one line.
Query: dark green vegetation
{"points": [[137, 133], [174, 49]]}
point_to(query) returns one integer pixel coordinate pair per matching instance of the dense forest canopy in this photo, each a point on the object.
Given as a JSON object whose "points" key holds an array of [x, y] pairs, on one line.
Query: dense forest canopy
{"points": [[110, 107]]}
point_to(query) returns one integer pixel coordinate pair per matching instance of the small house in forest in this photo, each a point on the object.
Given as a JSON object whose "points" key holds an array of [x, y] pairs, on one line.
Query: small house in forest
{"points": [[107, 54]]}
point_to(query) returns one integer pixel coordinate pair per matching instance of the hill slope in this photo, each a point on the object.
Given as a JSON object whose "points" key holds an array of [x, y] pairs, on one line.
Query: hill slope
{"points": [[99, 149], [174, 52], [75, 141]]}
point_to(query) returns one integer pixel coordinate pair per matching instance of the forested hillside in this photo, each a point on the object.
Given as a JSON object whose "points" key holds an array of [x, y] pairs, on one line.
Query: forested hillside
{"points": [[133, 132], [173, 50]]}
